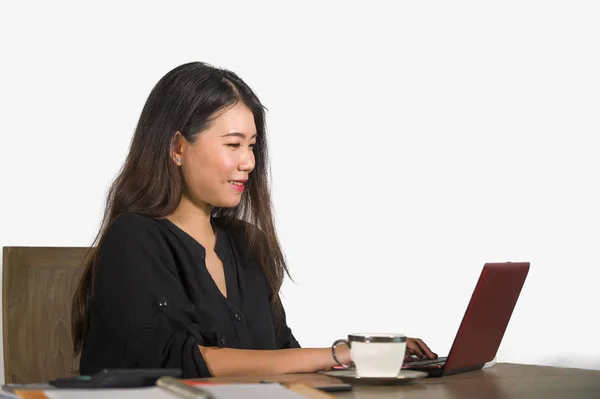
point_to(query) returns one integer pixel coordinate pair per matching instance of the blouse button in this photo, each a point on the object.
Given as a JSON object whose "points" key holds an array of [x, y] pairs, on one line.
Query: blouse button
{"points": [[222, 341], [237, 317]]}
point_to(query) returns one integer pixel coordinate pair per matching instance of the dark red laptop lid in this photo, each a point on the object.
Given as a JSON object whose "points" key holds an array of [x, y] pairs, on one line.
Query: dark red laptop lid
{"points": [[487, 315]]}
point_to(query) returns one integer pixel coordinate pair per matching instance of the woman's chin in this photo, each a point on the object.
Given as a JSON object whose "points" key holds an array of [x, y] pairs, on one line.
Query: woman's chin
{"points": [[228, 202]]}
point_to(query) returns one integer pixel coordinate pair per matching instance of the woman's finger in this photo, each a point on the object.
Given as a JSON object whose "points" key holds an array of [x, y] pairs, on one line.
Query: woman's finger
{"points": [[414, 348], [425, 349]]}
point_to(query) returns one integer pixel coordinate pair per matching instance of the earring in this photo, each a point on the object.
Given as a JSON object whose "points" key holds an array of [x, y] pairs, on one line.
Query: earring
{"points": [[179, 161]]}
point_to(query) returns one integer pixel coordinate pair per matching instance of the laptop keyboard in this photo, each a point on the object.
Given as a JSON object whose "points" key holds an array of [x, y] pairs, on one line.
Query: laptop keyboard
{"points": [[427, 362]]}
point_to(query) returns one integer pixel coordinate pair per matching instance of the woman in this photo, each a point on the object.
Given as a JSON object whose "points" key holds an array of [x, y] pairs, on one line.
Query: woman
{"points": [[188, 266]]}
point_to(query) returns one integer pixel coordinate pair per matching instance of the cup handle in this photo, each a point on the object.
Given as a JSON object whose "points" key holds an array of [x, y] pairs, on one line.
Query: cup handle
{"points": [[335, 344]]}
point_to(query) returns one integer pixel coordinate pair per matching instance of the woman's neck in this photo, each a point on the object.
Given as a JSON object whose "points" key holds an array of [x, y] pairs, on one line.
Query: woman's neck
{"points": [[194, 220]]}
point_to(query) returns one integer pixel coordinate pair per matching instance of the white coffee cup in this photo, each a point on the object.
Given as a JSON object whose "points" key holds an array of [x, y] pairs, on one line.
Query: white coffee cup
{"points": [[374, 354]]}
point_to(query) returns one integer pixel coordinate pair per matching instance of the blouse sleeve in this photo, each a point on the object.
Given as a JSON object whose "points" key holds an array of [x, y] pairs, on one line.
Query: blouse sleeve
{"points": [[285, 336], [141, 303]]}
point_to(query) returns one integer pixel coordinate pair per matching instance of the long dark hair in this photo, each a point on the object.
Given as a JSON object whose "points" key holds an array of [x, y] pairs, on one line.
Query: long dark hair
{"points": [[185, 100]]}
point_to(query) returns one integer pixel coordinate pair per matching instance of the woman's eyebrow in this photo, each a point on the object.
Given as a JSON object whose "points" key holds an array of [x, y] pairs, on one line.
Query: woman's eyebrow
{"points": [[237, 134]]}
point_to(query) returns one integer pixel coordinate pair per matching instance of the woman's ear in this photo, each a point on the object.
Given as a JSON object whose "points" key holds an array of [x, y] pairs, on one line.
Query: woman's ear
{"points": [[177, 148]]}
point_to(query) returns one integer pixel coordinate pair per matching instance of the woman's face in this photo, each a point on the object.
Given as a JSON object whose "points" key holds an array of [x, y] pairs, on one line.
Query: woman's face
{"points": [[216, 166]]}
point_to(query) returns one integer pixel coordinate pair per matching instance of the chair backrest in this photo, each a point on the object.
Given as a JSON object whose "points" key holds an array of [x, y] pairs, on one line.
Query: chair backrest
{"points": [[38, 284]]}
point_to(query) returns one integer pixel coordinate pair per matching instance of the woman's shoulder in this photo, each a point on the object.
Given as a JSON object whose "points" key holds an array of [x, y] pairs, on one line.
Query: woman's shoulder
{"points": [[135, 240], [133, 226]]}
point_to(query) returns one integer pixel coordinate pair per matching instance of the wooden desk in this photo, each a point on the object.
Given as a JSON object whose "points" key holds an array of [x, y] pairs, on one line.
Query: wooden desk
{"points": [[502, 381]]}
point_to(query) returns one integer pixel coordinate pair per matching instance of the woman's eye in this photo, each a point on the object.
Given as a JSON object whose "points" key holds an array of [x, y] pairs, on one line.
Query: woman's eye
{"points": [[238, 145]]}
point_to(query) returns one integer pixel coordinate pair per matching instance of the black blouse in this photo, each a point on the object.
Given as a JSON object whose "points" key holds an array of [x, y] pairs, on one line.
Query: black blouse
{"points": [[154, 300]]}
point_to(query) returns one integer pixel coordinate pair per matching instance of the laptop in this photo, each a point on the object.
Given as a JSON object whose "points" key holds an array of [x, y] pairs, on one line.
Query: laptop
{"points": [[483, 324]]}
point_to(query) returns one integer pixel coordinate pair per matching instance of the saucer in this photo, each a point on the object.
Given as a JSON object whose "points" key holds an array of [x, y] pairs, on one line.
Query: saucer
{"points": [[349, 376]]}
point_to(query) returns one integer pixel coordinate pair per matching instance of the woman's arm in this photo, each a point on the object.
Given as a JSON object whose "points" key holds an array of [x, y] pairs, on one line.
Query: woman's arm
{"points": [[226, 361]]}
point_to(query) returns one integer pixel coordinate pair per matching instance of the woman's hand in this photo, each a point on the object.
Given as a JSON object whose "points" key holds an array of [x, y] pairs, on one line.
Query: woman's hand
{"points": [[416, 347]]}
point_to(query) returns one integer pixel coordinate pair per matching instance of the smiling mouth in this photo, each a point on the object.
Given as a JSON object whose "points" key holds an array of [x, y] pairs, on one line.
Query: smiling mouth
{"points": [[238, 186]]}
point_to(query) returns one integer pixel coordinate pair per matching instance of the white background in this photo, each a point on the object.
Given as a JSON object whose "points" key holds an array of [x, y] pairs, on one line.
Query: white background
{"points": [[410, 144]]}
